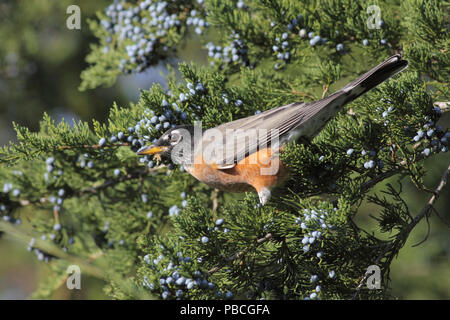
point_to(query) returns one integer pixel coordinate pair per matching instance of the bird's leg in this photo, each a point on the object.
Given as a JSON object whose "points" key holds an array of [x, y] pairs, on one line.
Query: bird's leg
{"points": [[158, 159], [259, 207], [264, 196]]}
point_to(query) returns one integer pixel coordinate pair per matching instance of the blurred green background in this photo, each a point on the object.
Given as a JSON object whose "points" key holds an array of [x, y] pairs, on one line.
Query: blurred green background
{"points": [[40, 65]]}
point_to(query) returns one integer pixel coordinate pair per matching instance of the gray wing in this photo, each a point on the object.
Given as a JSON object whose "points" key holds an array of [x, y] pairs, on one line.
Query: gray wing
{"points": [[235, 140], [242, 137]]}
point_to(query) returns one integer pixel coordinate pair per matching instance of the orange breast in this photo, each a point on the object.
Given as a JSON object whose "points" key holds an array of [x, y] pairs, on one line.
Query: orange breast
{"points": [[259, 170]]}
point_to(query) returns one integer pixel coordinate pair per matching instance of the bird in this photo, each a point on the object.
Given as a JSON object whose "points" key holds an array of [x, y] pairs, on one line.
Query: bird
{"points": [[243, 155]]}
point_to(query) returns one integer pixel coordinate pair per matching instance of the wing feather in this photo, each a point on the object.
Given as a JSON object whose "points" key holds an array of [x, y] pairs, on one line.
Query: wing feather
{"points": [[288, 119]]}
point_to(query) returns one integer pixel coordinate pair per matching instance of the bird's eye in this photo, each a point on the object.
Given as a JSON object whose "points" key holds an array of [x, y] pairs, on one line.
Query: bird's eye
{"points": [[174, 137]]}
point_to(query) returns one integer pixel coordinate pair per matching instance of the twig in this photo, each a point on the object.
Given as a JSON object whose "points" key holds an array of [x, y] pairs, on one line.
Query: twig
{"points": [[241, 253], [303, 94], [439, 216], [94, 146], [96, 188], [215, 200], [56, 216], [369, 184], [427, 235], [430, 203], [404, 233], [112, 181], [325, 90], [387, 174]]}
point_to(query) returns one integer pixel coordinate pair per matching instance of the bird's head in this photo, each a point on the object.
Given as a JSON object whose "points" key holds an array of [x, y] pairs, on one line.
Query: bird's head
{"points": [[165, 144]]}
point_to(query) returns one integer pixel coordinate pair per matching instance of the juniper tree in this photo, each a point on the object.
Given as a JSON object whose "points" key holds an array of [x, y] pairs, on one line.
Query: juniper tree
{"points": [[150, 230]]}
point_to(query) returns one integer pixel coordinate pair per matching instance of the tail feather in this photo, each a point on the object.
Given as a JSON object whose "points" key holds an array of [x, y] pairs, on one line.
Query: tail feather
{"points": [[323, 110], [375, 76]]}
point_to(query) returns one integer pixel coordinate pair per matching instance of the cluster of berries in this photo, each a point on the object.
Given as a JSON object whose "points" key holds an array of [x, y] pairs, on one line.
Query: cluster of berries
{"points": [[57, 200], [234, 53], [8, 192], [282, 47], [197, 20], [147, 24], [432, 136], [369, 158], [174, 281], [314, 222]]}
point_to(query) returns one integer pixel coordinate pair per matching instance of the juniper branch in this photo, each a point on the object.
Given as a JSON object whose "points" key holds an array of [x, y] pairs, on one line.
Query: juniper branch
{"points": [[94, 146], [241, 253], [404, 233]]}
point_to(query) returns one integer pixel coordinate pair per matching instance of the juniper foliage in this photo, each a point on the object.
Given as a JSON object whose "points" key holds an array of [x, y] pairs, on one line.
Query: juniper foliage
{"points": [[150, 230]]}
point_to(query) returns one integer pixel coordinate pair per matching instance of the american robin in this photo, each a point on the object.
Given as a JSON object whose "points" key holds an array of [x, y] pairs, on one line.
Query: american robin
{"points": [[242, 155]]}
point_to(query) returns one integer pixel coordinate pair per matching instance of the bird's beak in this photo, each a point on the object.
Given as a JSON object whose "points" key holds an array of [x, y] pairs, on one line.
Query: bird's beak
{"points": [[150, 150]]}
